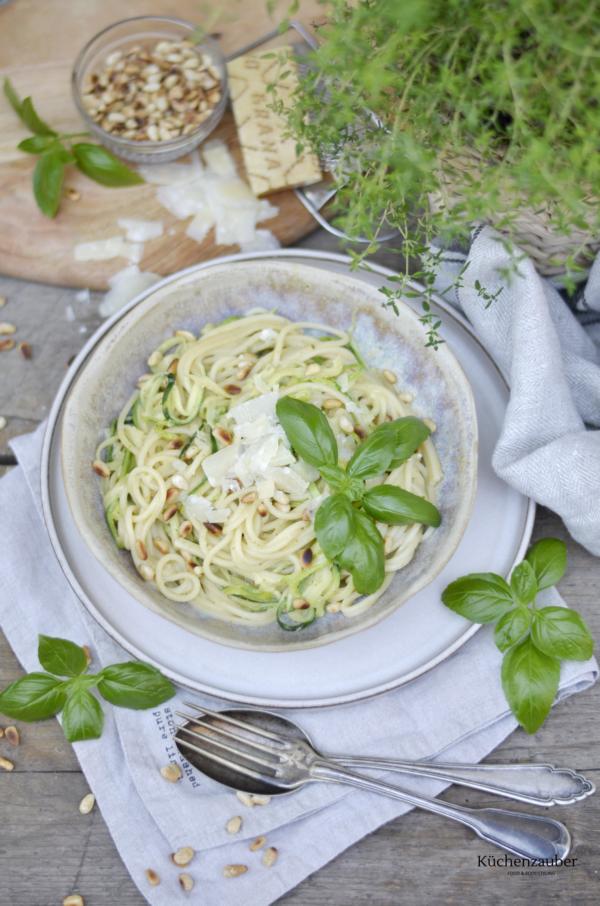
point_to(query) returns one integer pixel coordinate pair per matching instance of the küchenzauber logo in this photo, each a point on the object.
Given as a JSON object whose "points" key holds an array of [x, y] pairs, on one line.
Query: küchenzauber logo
{"points": [[519, 862]]}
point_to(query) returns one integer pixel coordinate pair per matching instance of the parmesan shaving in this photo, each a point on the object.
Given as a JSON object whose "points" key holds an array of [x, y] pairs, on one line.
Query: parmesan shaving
{"points": [[124, 286]]}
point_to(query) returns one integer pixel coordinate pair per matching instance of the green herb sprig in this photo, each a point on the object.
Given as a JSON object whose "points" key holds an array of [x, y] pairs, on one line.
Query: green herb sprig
{"points": [[65, 687], [345, 523], [56, 151], [534, 639]]}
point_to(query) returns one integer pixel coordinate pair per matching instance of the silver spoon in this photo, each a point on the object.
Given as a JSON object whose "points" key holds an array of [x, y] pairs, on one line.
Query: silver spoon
{"points": [[260, 752]]}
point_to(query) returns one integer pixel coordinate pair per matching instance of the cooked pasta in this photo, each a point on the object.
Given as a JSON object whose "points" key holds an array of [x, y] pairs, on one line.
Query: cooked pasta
{"points": [[200, 484]]}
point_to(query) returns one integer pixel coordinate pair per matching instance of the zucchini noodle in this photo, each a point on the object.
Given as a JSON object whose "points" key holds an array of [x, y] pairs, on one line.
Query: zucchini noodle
{"points": [[200, 485]]}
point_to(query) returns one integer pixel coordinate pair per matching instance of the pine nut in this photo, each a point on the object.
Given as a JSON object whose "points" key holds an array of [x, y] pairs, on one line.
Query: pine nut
{"points": [[307, 556], [169, 513], [186, 882], [172, 494], [87, 804], [172, 369], [390, 377], [261, 509], [88, 653], [311, 369], [146, 572], [234, 871], [141, 549], [171, 772], [346, 425], [6, 328], [252, 497], [258, 843], [74, 899], [176, 444], [232, 389], [152, 877], [25, 350], [5, 764], [73, 194], [223, 435], [160, 546], [234, 825], [12, 735], [332, 403], [186, 528], [301, 604], [100, 469], [269, 857], [214, 528], [6, 344], [183, 856]]}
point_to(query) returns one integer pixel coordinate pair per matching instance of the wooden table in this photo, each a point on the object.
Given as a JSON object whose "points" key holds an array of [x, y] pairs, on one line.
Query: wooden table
{"points": [[417, 859]]}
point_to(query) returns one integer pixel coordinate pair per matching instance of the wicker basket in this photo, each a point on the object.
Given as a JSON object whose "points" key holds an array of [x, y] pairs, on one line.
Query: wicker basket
{"points": [[534, 231]]}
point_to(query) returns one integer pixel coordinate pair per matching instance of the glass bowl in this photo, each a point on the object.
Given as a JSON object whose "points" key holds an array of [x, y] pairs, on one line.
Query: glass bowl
{"points": [[145, 30]]}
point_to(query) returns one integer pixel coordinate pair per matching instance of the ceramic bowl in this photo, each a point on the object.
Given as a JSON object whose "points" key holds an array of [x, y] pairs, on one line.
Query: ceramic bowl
{"points": [[299, 292]]}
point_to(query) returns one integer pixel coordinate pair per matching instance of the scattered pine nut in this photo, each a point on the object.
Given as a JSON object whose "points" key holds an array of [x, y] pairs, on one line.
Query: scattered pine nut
{"points": [[390, 377], [172, 494], [346, 425], [186, 528], [6, 344], [12, 735], [6, 328], [2, 422], [232, 389], [258, 843], [300, 604], [311, 369], [332, 403], [2, 301], [141, 549], [234, 871], [88, 653], [73, 194], [176, 444], [251, 799], [100, 469], [171, 772], [261, 509], [214, 528], [73, 899], [5, 764], [269, 857], [161, 546], [186, 882], [250, 498], [87, 804], [234, 825], [25, 350], [183, 856], [172, 369], [152, 877], [169, 513], [223, 435]]}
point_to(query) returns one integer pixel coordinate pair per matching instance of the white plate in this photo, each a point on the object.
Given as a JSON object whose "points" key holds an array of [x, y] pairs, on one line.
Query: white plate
{"points": [[415, 638]]}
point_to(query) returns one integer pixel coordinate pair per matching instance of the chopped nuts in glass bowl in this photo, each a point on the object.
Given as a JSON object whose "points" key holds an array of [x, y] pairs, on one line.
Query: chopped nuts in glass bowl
{"points": [[147, 91]]}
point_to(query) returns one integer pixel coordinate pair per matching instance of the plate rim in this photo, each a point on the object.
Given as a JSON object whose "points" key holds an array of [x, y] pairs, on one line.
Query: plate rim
{"points": [[50, 433]]}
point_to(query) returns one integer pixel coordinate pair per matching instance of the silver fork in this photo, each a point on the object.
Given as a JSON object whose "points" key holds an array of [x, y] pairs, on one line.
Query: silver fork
{"points": [[248, 752]]}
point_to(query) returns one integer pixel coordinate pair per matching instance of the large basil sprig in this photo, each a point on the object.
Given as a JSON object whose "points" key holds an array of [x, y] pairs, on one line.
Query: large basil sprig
{"points": [[49, 173], [533, 639], [345, 522], [66, 688]]}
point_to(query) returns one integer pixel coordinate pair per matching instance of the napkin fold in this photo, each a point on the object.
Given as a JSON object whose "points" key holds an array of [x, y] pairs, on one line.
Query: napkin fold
{"points": [[456, 711], [549, 448]]}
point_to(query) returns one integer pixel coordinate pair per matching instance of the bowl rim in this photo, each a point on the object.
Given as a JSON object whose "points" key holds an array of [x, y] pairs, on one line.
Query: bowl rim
{"points": [[132, 587], [163, 145]]}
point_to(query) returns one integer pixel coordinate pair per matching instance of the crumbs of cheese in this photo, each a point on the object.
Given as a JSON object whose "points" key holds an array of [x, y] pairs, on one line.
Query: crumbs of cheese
{"points": [[199, 509]]}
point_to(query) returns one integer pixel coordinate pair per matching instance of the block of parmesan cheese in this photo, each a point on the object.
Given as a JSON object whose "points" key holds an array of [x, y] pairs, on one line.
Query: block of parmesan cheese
{"points": [[270, 160]]}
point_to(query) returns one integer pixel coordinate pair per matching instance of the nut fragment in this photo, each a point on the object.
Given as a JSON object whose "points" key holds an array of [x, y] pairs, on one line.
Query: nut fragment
{"points": [[25, 350], [100, 468], [332, 403], [183, 856], [171, 772], [74, 899], [269, 856], [234, 871], [186, 528], [258, 843], [186, 882], [12, 735], [390, 377], [169, 513], [87, 803], [300, 604], [214, 528], [249, 498], [172, 494], [161, 546], [251, 799], [140, 548], [232, 389], [223, 435], [234, 825], [152, 877], [6, 344], [346, 425], [73, 194], [2, 422], [261, 509], [6, 328], [5, 764], [88, 653]]}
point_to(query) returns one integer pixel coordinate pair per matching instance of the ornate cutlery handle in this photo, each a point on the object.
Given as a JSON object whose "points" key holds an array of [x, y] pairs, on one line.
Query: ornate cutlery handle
{"points": [[536, 784], [529, 836]]}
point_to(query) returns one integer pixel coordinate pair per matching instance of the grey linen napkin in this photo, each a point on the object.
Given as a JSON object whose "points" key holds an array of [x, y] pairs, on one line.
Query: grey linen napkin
{"points": [[553, 367], [457, 710]]}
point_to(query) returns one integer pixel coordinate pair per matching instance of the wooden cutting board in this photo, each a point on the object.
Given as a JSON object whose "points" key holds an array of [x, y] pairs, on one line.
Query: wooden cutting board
{"points": [[38, 44]]}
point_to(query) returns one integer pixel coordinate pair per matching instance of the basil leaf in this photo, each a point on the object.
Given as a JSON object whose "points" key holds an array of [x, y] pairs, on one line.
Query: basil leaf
{"points": [[82, 716], [523, 583], [333, 475], [308, 431], [512, 627], [393, 505], [33, 697], [31, 119], [561, 633], [530, 682], [37, 144], [134, 685], [48, 179], [103, 167], [363, 556], [334, 524], [61, 656], [26, 111], [548, 559], [408, 433], [373, 456], [480, 597]]}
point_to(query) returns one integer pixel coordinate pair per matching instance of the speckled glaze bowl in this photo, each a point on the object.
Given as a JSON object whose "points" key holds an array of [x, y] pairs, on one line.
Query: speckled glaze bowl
{"points": [[299, 292]]}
